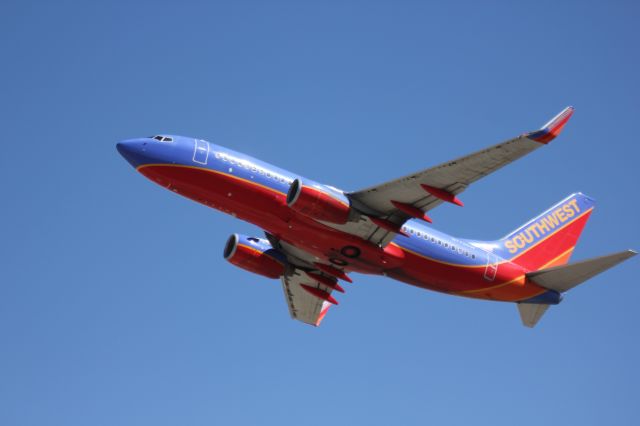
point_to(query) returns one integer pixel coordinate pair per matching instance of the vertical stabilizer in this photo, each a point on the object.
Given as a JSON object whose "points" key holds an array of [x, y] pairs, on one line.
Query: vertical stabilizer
{"points": [[548, 239]]}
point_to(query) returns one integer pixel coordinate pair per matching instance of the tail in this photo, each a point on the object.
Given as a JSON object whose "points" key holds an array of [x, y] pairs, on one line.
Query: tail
{"points": [[544, 245], [548, 239], [559, 279]]}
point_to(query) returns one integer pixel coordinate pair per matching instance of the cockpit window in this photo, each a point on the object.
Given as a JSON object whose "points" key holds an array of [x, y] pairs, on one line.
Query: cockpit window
{"points": [[163, 138]]}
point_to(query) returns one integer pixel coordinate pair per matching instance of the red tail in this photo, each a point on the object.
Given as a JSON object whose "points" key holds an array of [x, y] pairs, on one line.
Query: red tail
{"points": [[549, 239]]}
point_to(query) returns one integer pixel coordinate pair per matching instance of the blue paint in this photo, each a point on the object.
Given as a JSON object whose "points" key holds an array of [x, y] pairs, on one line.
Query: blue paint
{"points": [[184, 151], [117, 307], [549, 297]]}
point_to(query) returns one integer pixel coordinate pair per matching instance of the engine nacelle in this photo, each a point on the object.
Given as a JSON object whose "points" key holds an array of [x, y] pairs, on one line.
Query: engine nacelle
{"points": [[255, 255], [318, 201]]}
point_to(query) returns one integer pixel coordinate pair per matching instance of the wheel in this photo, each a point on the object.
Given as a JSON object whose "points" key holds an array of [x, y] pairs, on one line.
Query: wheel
{"points": [[350, 251]]}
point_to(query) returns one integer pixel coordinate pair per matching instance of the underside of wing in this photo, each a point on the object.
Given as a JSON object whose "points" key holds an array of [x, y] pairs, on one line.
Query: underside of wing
{"points": [[390, 204], [308, 286], [306, 299]]}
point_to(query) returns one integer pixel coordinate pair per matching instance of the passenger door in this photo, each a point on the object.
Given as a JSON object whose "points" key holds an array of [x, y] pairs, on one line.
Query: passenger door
{"points": [[492, 267], [201, 151]]}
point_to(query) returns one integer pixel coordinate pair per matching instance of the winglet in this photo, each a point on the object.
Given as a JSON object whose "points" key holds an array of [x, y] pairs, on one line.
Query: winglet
{"points": [[552, 129], [323, 313]]}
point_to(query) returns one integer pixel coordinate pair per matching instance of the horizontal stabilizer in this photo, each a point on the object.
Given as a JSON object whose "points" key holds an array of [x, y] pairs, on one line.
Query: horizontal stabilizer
{"points": [[530, 313], [565, 277]]}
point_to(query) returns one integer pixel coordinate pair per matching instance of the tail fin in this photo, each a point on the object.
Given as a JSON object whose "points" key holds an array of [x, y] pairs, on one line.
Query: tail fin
{"points": [[565, 277], [548, 239]]}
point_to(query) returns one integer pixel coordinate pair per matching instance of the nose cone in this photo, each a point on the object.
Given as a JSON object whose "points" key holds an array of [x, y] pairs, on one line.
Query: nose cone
{"points": [[133, 150]]}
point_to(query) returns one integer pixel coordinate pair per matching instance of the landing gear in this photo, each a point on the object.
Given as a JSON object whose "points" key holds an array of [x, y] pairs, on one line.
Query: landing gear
{"points": [[351, 252]]}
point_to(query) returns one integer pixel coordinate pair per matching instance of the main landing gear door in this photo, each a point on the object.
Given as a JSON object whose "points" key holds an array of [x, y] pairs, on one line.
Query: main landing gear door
{"points": [[492, 267], [201, 151]]}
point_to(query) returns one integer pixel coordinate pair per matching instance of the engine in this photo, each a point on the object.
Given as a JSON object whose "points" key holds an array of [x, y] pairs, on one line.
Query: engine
{"points": [[319, 202], [255, 255]]}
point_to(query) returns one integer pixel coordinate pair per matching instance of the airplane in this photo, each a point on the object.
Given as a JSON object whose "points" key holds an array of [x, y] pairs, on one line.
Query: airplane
{"points": [[316, 234]]}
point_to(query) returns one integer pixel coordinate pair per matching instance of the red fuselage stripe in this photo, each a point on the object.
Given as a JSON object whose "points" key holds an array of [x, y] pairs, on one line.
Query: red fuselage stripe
{"points": [[266, 208]]}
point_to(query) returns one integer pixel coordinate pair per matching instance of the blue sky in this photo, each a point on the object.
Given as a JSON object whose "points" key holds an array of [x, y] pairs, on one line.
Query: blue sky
{"points": [[116, 306]]}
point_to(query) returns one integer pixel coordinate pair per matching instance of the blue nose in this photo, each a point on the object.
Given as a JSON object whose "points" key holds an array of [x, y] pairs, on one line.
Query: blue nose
{"points": [[133, 150]]}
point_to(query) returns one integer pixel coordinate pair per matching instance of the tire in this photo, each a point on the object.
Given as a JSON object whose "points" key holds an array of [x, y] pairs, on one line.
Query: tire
{"points": [[351, 252]]}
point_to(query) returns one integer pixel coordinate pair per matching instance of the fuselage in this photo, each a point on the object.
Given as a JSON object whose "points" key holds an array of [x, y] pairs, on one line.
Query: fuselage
{"points": [[255, 191]]}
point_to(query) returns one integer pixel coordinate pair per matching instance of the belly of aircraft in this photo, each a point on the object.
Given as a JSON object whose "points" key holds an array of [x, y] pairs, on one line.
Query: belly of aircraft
{"points": [[266, 208]]}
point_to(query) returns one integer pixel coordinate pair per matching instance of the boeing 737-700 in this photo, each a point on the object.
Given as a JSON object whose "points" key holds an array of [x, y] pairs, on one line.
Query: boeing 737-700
{"points": [[316, 235]]}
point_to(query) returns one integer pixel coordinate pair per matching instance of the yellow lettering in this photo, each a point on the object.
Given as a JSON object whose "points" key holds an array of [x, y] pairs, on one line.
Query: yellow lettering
{"points": [[518, 241], [533, 229], [574, 204], [569, 211], [551, 220], [526, 236], [544, 228]]}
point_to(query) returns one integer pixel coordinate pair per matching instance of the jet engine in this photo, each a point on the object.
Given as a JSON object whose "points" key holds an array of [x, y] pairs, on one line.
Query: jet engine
{"points": [[319, 202], [255, 255]]}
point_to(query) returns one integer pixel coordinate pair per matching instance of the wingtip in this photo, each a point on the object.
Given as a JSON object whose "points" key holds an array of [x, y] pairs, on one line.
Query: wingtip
{"points": [[553, 127], [323, 313]]}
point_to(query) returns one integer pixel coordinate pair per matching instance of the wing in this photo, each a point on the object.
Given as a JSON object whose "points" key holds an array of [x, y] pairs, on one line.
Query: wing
{"points": [[303, 304], [390, 204], [307, 285]]}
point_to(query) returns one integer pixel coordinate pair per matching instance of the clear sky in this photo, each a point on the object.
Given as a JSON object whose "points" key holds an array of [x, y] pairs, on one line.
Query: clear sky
{"points": [[116, 306]]}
